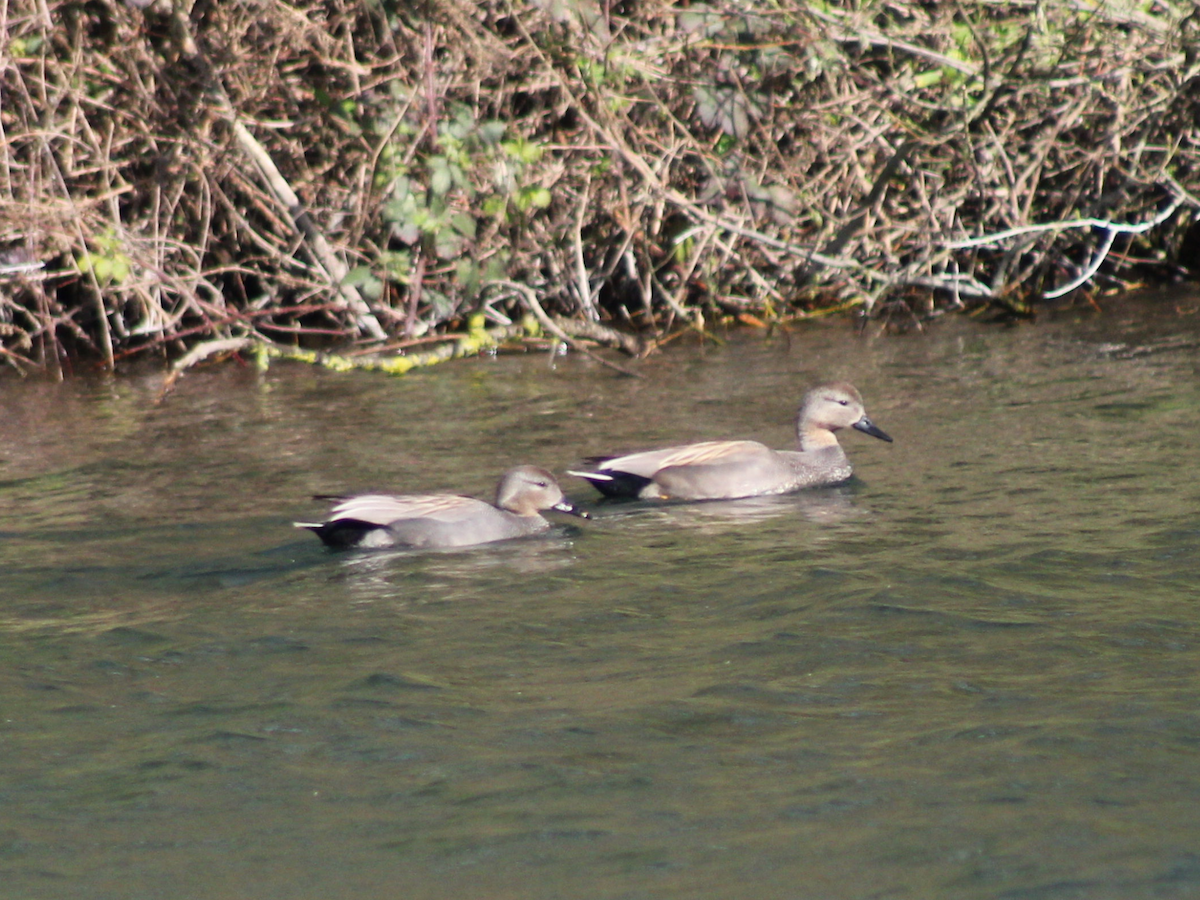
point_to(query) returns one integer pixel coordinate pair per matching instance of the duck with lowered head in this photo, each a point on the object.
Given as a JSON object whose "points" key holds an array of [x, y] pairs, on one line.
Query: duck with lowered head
{"points": [[445, 520]]}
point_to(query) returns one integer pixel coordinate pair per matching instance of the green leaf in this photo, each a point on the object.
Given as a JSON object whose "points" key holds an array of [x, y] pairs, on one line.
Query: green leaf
{"points": [[407, 232], [523, 150], [532, 198], [447, 244], [463, 224], [701, 20], [491, 132], [365, 280], [441, 305], [496, 268], [400, 210], [929, 78], [357, 276], [724, 107], [440, 179], [21, 47], [112, 267], [494, 207], [397, 264], [466, 273]]}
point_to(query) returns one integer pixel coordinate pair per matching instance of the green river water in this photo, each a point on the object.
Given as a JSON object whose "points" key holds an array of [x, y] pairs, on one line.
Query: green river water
{"points": [[973, 672]]}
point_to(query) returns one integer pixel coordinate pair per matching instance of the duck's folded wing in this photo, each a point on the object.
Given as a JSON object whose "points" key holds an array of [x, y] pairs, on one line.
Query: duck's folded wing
{"points": [[384, 509], [706, 453]]}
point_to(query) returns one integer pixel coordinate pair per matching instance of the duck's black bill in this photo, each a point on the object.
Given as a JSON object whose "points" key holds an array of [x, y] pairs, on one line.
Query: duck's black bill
{"points": [[866, 426], [567, 506]]}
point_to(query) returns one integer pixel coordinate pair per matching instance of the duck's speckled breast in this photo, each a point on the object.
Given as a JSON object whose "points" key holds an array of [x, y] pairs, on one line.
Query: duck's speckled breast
{"points": [[812, 468]]}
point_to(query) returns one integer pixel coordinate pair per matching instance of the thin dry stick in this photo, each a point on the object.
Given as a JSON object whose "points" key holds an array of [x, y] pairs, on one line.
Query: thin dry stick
{"points": [[587, 301], [106, 342]]}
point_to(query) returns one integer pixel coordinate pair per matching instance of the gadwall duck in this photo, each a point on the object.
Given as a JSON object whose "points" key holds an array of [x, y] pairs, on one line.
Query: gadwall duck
{"points": [[445, 520], [726, 470]]}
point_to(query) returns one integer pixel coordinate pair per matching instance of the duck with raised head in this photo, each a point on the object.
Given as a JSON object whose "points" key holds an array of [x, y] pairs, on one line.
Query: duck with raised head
{"points": [[727, 470], [445, 520]]}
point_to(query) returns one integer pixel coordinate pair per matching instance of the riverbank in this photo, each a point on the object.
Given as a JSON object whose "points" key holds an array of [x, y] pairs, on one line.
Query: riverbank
{"points": [[338, 176]]}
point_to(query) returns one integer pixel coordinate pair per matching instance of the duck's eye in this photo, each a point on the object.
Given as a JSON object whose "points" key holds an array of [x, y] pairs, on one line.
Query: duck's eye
{"points": [[843, 403]]}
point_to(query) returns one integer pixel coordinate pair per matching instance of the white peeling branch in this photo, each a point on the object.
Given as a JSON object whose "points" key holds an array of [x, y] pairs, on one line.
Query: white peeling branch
{"points": [[1111, 230], [1087, 273], [1116, 227], [21, 268]]}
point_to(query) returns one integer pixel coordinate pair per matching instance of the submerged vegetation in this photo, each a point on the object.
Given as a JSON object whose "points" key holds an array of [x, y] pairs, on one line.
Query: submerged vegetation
{"points": [[379, 176]]}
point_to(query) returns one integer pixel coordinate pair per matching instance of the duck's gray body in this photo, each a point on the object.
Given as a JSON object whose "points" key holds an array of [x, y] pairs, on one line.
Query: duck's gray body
{"points": [[726, 470], [445, 520]]}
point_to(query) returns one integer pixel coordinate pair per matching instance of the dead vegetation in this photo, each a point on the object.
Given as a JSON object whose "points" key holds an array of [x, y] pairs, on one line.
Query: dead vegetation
{"points": [[376, 172]]}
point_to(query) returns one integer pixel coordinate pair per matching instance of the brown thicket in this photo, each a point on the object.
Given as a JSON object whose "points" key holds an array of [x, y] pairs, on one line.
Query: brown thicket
{"points": [[380, 172]]}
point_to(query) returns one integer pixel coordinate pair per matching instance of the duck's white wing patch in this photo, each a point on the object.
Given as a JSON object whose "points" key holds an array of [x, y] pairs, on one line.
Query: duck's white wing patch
{"points": [[590, 476]]}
